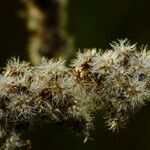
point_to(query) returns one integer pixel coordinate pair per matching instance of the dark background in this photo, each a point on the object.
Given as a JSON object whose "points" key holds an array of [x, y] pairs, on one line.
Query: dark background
{"points": [[92, 23]]}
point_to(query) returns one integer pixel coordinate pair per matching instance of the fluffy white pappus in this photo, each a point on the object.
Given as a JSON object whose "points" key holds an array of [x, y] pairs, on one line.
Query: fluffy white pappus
{"points": [[15, 68], [83, 58], [83, 108], [119, 59], [20, 107], [52, 74], [50, 70], [145, 60], [54, 66], [102, 64], [81, 96], [123, 45], [12, 143]]}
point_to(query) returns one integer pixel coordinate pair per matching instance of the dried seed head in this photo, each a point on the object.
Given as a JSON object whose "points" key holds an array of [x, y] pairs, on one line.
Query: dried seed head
{"points": [[12, 143], [16, 69], [116, 82]]}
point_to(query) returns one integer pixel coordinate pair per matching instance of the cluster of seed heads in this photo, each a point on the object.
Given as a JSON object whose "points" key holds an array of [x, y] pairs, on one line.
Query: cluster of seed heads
{"points": [[116, 83]]}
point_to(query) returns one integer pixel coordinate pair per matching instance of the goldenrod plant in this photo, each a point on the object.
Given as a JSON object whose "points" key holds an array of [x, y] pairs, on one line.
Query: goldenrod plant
{"points": [[115, 82], [46, 21]]}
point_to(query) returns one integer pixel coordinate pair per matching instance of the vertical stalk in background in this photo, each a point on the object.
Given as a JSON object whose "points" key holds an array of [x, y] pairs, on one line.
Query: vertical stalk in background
{"points": [[46, 20]]}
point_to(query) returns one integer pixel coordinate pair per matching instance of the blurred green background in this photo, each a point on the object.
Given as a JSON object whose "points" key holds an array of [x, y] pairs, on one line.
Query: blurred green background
{"points": [[92, 23]]}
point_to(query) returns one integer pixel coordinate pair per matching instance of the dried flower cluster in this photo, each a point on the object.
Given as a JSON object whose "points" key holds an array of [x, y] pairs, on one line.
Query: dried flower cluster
{"points": [[115, 82], [46, 21]]}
